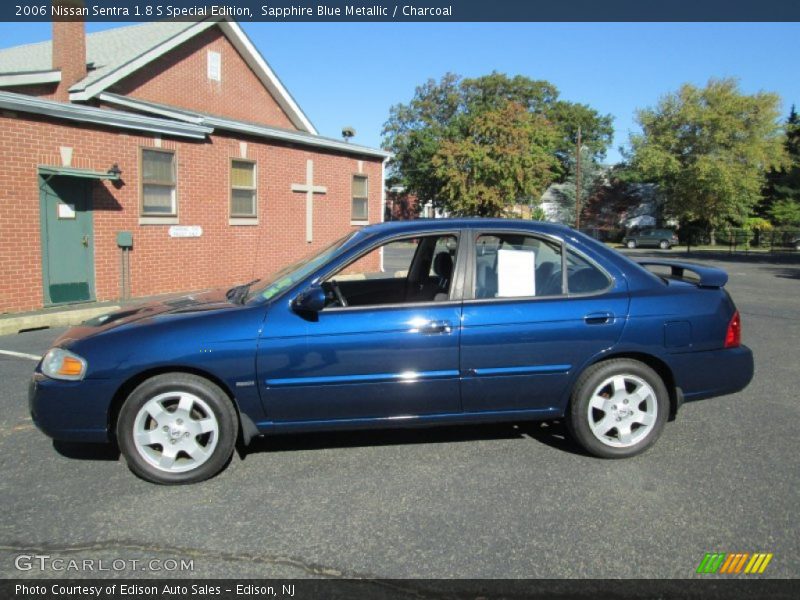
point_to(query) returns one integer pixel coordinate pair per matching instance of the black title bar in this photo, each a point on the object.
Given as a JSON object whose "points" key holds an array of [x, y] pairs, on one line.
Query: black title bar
{"points": [[404, 10], [380, 589]]}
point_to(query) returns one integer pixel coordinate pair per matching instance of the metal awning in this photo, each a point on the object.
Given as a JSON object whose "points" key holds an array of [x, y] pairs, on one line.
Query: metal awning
{"points": [[73, 172]]}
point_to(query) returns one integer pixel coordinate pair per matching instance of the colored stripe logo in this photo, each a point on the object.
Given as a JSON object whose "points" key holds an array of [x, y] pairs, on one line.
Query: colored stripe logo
{"points": [[733, 563]]}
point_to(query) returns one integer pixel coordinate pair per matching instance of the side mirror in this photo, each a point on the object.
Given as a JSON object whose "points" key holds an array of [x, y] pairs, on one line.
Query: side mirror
{"points": [[311, 300]]}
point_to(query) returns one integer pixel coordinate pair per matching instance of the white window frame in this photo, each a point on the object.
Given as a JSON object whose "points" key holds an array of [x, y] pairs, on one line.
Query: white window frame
{"points": [[241, 219], [214, 70], [353, 197], [155, 218]]}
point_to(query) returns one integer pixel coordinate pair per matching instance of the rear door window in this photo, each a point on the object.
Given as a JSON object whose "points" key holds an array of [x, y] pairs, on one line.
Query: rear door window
{"points": [[512, 265]]}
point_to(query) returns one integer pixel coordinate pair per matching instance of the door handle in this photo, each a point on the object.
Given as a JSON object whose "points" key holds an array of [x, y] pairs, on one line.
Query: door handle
{"points": [[85, 241], [436, 327], [598, 318]]}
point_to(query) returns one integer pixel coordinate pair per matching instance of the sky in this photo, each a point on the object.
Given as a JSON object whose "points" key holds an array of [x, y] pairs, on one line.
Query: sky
{"points": [[350, 74]]}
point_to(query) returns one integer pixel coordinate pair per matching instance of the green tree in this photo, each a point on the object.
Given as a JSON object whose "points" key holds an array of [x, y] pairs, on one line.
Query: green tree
{"points": [[564, 194], [442, 118], [782, 192], [541, 98], [708, 149], [505, 154], [785, 212]]}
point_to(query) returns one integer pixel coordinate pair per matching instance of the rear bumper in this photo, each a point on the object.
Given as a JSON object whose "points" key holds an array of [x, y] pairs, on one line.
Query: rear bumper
{"points": [[73, 411], [714, 373]]}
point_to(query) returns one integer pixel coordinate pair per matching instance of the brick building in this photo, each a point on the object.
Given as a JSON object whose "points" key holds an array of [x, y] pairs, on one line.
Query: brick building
{"points": [[179, 134]]}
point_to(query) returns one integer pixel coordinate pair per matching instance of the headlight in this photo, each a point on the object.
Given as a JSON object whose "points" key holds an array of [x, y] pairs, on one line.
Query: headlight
{"points": [[63, 364]]}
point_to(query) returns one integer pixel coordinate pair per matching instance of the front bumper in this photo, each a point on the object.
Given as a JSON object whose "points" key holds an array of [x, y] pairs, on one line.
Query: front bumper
{"points": [[713, 373], [74, 411]]}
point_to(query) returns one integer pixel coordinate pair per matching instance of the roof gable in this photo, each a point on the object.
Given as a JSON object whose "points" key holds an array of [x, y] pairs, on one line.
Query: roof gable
{"points": [[117, 53], [181, 78]]}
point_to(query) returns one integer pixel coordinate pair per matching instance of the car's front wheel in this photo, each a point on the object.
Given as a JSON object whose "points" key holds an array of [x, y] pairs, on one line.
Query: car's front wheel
{"points": [[618, 408], [631, 244], [177, 428], [664, 245]]}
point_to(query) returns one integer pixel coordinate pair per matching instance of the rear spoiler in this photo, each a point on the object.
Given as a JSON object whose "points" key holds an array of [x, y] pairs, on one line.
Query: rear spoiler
{"points": [[709, 277]]}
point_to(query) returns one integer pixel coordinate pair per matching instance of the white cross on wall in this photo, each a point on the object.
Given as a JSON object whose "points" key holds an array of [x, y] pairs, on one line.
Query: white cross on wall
{"points": [[310, 189]]}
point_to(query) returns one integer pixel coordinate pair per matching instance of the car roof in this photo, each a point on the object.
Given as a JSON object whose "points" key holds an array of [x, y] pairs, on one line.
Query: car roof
{"points": [[423, 225]]}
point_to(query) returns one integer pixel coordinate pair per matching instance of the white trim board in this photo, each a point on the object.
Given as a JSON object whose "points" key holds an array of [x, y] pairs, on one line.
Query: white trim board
{"points": [[99, 116], [136, 105], [32, 78], [250, 129]]}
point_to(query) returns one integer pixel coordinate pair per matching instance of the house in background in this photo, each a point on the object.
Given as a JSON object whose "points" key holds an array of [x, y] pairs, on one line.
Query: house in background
{"points": [[174, 142], [400, 204]]}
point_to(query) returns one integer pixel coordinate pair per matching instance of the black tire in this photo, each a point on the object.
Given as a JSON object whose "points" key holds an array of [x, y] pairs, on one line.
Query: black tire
{"points": [[216, 447], [664, 245], [631, 244], [578, 415]]}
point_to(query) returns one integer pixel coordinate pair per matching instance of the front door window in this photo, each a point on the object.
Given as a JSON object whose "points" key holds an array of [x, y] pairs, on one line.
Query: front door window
{"points": [[409, 270]]}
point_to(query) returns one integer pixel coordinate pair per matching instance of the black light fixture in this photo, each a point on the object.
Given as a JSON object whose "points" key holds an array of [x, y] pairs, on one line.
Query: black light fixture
{"points": [[347, 133], [115, 171]]}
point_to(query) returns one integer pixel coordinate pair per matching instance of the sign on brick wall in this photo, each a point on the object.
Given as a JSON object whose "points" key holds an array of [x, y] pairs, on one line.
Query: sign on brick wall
{"points": [[185, 231]]}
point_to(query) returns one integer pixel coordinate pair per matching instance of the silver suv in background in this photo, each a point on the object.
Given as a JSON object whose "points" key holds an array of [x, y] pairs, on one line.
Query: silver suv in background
{"points": [[651, 238]]}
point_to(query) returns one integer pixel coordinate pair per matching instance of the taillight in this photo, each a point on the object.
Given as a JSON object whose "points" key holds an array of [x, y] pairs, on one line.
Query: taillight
{"points": [[733, 337]]}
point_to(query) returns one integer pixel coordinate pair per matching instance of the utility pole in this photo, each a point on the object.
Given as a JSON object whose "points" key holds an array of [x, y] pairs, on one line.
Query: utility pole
{"points": [[578, 181]]}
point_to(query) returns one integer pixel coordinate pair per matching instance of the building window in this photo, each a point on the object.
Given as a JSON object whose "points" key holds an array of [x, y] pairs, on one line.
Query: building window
{"points": [[158, 183], [214, 66], [243, 189], [360, 206]]}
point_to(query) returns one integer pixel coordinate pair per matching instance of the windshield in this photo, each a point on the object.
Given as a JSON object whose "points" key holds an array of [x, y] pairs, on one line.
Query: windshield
{"points": [[288, 276]]}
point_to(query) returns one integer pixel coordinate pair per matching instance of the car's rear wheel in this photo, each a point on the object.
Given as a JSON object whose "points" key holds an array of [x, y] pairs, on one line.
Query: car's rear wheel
{"points": [[618, 408], [177, 428], [631, 244], [664, 245]]}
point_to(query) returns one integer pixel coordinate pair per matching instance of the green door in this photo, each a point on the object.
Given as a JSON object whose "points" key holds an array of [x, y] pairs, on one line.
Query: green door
{"points": [[67, 243]]}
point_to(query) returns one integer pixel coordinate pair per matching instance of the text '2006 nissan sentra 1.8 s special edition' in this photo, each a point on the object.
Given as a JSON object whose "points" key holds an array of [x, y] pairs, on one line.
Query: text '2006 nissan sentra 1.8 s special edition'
{"points": [[401, 324]]}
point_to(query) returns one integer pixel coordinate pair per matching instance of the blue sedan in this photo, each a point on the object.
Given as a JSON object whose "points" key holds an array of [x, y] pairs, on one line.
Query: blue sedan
{"points": [[402, 324]]}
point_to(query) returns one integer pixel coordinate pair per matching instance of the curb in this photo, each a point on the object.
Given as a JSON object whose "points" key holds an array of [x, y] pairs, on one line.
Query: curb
{"points": [[13, 324]]}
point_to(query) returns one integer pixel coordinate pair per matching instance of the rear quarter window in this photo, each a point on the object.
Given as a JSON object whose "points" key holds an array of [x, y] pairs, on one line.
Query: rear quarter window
{"points": [[583, 276]]}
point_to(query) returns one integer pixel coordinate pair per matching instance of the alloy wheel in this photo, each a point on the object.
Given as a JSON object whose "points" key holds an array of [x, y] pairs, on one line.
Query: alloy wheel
{"points": [[175, 432], [622, 410]]}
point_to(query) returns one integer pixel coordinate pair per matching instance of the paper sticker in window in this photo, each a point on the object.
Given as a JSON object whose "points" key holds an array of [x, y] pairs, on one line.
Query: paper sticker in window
{"points": [[515, 273]]}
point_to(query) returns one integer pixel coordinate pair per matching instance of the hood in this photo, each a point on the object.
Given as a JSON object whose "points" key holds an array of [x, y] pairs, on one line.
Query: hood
{"points": [[173, 305]]}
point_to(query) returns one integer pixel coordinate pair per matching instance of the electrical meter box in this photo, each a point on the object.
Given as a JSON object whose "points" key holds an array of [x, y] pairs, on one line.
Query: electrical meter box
{"points": [[124, 239]]}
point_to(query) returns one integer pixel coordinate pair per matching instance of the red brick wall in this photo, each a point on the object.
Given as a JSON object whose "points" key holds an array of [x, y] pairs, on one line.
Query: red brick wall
{"points": [[224, 255], [180, 78]]}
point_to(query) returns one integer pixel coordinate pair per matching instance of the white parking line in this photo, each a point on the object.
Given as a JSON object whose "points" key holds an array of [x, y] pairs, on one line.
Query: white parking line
{"points": [[20, 355]]}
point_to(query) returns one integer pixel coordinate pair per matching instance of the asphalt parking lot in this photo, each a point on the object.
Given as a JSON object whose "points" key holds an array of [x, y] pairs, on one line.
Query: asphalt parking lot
{"points": [[501, 501]]}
